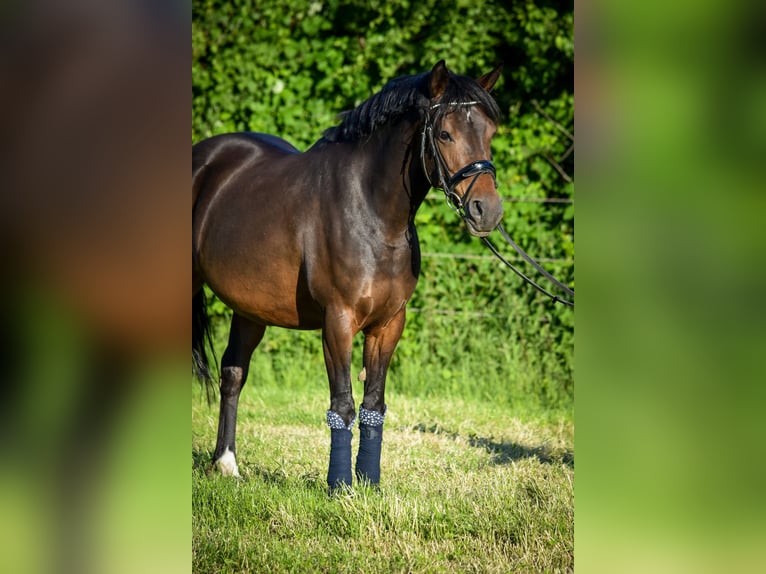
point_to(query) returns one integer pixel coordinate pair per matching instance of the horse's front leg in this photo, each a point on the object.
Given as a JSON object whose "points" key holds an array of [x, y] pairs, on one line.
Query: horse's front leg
{"points": [[379, 345], [337, 340], [244, 337]]}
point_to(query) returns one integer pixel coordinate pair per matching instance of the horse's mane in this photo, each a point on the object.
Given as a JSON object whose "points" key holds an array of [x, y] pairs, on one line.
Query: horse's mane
{"points": [[405, 94]]}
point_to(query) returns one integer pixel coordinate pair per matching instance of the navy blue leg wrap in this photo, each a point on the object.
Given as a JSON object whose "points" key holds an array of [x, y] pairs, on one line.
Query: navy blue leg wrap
{"points": [[339, 472], [370, 442]]}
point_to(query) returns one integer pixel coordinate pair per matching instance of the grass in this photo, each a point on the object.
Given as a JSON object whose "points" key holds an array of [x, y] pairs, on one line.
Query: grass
{"points": [[468, 485]]}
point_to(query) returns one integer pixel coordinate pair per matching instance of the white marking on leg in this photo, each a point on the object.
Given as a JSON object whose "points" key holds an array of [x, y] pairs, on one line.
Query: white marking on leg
{"points": [[227, 464]]}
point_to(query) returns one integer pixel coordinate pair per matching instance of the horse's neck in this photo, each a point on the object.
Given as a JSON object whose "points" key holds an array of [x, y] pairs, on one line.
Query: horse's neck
{"points": [[399, 184]]}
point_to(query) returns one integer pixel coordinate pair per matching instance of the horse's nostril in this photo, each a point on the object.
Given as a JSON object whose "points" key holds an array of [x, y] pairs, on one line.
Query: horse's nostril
{"points": [[477, 208]]}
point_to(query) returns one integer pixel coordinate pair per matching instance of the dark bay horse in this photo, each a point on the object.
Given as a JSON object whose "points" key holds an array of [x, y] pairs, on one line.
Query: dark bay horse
{"points": [[326, 239]]}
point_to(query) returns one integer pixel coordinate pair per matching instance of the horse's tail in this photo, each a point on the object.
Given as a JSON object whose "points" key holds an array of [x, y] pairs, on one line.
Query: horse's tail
{"points": [[202, 344]]}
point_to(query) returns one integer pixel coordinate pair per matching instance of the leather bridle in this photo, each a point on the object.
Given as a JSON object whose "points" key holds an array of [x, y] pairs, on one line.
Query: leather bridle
{"points": [[447, 182], [473, 170]]}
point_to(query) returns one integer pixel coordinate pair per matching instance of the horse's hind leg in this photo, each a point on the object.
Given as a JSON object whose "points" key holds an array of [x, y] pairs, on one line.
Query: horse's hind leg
{"points": [[244, 337], [379, 345]]}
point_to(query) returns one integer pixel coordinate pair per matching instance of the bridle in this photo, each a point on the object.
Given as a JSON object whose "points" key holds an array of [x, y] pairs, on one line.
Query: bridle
{"points": [[474, 169], [448, 183]]}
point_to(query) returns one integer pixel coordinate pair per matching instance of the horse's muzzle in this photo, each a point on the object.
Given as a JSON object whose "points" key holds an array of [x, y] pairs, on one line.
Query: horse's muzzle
{"points": [[482, 215], [483, 208]]}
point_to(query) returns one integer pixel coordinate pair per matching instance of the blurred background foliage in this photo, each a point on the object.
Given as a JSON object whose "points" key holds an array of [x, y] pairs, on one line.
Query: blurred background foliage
{"points": [[289, 67]]}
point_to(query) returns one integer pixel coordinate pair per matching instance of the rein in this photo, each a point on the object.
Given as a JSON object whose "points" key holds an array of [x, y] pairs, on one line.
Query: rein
{"points": [[534, 264], [458, 204]]}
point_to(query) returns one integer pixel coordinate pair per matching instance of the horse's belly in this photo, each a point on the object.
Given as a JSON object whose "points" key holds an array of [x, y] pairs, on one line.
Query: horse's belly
{"points": [[265, 292], [271, 305]]}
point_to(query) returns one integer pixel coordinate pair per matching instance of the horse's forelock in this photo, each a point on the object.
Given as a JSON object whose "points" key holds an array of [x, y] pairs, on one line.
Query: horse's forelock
{"points": [[462, 89]]}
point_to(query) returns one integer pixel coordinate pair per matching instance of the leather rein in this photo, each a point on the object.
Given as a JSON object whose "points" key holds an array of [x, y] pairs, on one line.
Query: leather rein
{"points": [[447, 184]]}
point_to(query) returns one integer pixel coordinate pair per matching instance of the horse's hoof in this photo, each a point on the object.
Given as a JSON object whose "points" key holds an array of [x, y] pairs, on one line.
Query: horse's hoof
{"points": [[227, 464]]}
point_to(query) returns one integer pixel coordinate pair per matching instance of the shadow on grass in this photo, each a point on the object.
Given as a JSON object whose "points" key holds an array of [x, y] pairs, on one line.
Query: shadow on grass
{"points": [[280, 478], [202, 460], [505, 452]]}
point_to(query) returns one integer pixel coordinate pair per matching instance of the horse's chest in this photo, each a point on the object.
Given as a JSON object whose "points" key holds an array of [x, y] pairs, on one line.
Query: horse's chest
{"points": [[379, 307], [373, 281], [382, 296]]}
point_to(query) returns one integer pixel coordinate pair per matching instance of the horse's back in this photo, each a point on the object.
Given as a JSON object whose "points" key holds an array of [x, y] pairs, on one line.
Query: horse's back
{"points": [[253, 141], [215, 158], [233, 162]]}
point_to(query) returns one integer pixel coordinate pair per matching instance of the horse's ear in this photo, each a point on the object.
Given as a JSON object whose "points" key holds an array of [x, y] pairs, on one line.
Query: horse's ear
{"points": [[439, 80], [488, 80]]}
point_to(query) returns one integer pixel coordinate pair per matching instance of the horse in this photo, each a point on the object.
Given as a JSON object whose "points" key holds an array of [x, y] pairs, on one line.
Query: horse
{"points": [[325, 239]]}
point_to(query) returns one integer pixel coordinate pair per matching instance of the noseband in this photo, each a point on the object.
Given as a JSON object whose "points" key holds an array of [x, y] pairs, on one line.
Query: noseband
{"points": [[449, 182]]}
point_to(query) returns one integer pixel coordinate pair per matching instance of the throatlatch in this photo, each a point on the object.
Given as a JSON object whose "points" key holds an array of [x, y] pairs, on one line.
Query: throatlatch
{"points": [[370, 442]]}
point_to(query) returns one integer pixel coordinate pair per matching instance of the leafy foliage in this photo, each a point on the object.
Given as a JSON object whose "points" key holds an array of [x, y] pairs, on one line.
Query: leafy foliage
{"points": [[289, 67]]}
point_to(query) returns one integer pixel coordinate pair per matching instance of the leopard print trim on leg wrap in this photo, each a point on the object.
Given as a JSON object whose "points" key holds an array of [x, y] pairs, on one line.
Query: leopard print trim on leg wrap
{"points": [[371, 418], [335, 421]]}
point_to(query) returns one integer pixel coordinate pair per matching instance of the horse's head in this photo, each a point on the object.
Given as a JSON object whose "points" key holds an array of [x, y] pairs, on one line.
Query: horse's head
{"points": [[459, 126]]}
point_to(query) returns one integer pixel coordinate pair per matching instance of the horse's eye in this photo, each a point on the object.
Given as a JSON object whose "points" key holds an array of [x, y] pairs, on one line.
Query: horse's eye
{"points": [[444, 136]]}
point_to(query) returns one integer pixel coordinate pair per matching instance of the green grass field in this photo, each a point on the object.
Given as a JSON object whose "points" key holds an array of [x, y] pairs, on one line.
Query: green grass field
{"points": [[468, 484]]}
